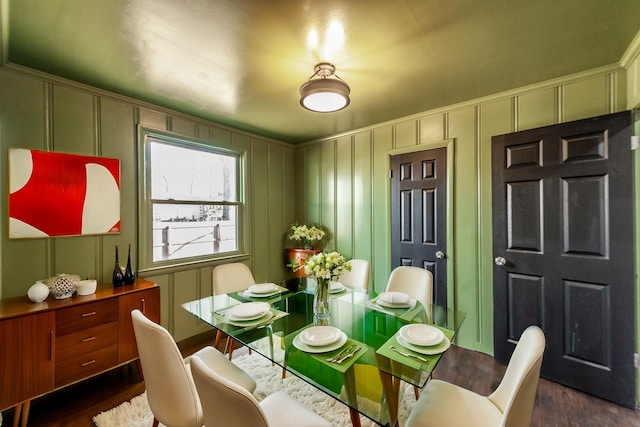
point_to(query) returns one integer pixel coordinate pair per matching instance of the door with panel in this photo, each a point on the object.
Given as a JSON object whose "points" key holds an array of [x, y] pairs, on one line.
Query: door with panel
{"points": [[418, 215], [563, 248]]}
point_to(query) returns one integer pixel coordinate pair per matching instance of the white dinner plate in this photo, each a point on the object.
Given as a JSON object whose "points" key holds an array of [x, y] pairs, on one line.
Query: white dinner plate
{"points": [[318, 336], [335, 287], [411, 303], [263, 288], [251, 322], [297, 343], [248, 310], [394, 297], [428, 350], [250, 294], [421, 334]]}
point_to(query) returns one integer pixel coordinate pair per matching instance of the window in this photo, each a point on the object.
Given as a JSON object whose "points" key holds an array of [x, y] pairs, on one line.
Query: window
{"points": [[192, 200]]}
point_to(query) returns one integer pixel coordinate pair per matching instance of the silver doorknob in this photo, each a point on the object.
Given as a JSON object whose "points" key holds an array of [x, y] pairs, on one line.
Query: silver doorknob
{"points": [[439, 254], [500, 261]]}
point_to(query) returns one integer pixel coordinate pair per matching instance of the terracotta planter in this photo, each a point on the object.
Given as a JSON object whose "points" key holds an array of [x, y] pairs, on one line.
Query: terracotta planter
{"points": [[299, 255]]}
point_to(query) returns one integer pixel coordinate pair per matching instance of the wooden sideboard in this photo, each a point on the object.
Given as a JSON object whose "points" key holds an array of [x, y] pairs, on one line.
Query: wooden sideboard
{"points": [[48, 345]]}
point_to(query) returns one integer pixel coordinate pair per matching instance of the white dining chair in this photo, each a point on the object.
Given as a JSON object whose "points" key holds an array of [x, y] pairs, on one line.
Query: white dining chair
{"points": [[418, 284], [510, 405], [171, 392], [225, 403], [226, 278], [358, 277]]}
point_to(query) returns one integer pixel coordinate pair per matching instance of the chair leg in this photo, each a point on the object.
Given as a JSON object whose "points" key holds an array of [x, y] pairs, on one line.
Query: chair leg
{"points": [[155, 422], [416, 392], [218, 338], [232, 343]]}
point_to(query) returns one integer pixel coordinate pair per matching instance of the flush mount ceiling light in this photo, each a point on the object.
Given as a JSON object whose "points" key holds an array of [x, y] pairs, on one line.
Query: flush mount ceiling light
{"points": [[324, 94]]}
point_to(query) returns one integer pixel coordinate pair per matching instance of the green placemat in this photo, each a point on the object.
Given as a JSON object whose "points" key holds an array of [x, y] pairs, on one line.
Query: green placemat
{"points": [[431, 360], [277, 314], [322, 357]]}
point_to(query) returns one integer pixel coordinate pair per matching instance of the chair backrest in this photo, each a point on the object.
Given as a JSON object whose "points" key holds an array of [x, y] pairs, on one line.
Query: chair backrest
{"points": [[414, 281], [170, 390], [516, 394], [231, 277], [224, 402], [358, 277]]}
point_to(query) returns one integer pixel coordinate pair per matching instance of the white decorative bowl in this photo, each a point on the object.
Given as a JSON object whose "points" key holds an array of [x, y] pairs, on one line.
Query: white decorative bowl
{"points": [[86, 287], [38, 292], [63, 285]]}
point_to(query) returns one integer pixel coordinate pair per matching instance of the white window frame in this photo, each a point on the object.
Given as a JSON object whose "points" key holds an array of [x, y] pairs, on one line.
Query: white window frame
{"points": [[145, 202]]}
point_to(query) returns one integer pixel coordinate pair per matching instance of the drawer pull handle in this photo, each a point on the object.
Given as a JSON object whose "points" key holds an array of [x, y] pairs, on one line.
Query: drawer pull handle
{"points": [[144, 306], [88, 363], [92, 313], [89, 339]]}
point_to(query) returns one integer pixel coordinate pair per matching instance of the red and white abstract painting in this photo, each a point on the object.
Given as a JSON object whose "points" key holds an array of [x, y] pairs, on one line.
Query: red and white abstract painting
{"points": [[57, 194]]}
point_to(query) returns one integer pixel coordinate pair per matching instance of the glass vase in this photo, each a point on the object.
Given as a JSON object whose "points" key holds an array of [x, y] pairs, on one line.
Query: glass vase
{"points": [[118, 277], [321, 306], [129, 275]]}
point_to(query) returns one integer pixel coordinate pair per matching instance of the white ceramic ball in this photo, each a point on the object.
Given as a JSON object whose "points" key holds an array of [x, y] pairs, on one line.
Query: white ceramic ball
{"points": [[38, 292]]}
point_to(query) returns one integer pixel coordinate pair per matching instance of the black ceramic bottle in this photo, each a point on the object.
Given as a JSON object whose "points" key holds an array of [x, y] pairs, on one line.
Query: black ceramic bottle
{"points": [[129, 276], [118, 277]]}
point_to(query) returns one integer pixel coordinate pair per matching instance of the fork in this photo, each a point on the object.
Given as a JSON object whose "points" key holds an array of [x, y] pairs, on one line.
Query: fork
{"points": [[342, 353], [350, 354], [422, 359]]}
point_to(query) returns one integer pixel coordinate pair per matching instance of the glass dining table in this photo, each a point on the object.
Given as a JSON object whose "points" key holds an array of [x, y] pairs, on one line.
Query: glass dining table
{"points": [[379, 354]]}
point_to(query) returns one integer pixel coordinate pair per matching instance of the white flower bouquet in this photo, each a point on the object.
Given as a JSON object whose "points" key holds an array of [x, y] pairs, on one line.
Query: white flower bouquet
{"points": [[308, 236]]}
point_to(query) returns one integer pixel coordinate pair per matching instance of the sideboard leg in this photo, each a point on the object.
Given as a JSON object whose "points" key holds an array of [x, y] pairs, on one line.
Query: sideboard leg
{"points": [[17, 411], [26, 406]]}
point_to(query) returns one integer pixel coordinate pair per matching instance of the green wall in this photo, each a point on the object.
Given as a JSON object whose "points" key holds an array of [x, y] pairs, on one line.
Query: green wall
{"points": [[41, 112], [340, 182], [343, 183]]}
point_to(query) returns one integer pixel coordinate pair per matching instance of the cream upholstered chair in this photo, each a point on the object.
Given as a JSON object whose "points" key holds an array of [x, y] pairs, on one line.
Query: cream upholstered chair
{"points": [[171, 392], [414, 281], [225, 403], [232, 277], [418, 284], [510, 405], [358, 277]]}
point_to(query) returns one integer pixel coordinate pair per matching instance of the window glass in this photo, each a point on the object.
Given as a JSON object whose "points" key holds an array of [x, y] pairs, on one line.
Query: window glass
{"points": [[193, 200]]}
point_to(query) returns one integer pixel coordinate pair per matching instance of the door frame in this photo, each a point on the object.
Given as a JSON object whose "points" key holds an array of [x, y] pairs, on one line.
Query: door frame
{"points": [[449, 144]]}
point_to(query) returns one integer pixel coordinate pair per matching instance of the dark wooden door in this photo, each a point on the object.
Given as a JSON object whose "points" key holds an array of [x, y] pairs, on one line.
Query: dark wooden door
{"points": [[563, 248], [418, 215]]}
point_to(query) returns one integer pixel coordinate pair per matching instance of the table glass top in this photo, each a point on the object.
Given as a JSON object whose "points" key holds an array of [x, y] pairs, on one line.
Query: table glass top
{"points": [[369, 331]]}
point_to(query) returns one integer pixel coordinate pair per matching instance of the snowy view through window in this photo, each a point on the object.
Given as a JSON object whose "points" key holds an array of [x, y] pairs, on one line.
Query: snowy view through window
{"points": [[194, 201]]}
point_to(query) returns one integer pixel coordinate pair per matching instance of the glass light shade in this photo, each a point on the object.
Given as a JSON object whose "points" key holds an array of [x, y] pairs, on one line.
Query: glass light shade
{"points": [[324, 95]]}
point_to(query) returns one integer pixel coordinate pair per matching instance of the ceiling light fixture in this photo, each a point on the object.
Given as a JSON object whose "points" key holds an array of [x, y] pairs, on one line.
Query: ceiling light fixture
{"points": [[324, 94]]}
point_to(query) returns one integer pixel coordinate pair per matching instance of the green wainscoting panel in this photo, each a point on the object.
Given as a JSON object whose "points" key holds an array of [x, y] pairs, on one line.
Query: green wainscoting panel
{"points": [[462, 128], [219, 136], [152, 119], [381, 225], [362, 239], [343, 231], [327, 201], [405, 134], [496, 118], [537, 108], [260, 209], [586, 98], [185, 127], [185, 289], [73, 122], [23, 105], [432, 128]]}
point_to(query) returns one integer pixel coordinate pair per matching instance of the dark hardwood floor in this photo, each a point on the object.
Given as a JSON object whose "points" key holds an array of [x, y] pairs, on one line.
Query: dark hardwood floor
{"points": [[555, 406]]}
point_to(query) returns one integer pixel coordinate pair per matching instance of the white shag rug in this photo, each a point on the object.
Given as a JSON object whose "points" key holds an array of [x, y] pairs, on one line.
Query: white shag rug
{"points": [[136, 412]]}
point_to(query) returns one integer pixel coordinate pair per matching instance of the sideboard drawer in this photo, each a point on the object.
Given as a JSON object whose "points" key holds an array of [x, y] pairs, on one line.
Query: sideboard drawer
{"points": [[80, 366], [85, 316], [86, 340]]}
